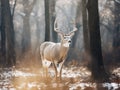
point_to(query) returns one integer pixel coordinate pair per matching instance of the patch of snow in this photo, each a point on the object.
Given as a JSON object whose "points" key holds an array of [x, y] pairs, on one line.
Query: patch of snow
{"points": [[73, 75], [23, 74], [111, 86], [115, 71], [33, 84], [75, 72], [82, 85]]}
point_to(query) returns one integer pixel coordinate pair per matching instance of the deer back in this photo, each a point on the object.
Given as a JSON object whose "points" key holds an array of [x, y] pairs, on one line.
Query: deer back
{"points": [[50, 50]]}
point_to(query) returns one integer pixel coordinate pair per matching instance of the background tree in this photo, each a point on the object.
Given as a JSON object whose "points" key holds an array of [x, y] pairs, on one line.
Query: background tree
{"points": [[3, 37], [85, 26], [13, 8], [97, 66], [7, 33], [77, 23], [47, 20], [116, 31], [26, 35], [52, 19]]}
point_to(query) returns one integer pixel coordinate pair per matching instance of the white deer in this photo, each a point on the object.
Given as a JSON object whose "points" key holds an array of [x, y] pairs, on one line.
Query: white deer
{"points": [[56, 53]]}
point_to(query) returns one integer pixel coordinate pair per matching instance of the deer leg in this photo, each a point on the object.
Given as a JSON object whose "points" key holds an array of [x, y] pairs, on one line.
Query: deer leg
{"points": [[56, 72], [60, 69], [46, 64]]}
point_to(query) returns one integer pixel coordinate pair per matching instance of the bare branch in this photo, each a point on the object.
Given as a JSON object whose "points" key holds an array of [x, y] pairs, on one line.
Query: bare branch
{"points": [[14, 8]]}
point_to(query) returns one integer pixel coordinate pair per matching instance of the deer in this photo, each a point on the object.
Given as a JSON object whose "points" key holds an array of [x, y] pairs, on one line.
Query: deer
{"points": [[56, 53]]}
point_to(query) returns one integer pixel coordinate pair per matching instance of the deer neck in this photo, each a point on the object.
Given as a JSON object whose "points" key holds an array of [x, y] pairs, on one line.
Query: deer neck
{"points": [[63, 50]]}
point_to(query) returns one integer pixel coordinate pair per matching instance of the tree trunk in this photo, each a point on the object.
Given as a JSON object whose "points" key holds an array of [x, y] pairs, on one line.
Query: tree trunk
{"points": [[85, 27], [77, 22], [52, 19], [3, 38], [97, 66], [47, 20], [26, 37], [116, 32], [7, 26]]}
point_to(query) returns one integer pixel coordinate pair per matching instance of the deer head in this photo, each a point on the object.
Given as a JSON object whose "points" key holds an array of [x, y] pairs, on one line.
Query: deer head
{"points": [[65, 38]]}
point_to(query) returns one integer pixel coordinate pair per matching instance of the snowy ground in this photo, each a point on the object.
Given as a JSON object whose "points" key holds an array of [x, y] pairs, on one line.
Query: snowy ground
{"points": [[73, 78]]}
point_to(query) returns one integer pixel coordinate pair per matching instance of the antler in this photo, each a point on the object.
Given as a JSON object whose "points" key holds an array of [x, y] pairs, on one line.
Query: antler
{"points": [[74, 28], [55, 27]]}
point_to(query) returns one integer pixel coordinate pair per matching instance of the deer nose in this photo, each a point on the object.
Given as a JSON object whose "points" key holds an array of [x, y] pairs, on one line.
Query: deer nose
{"points": [[69, 41]]}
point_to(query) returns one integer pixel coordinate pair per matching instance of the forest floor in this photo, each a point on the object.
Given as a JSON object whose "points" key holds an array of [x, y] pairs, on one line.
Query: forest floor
{"points": [[73, 78]]}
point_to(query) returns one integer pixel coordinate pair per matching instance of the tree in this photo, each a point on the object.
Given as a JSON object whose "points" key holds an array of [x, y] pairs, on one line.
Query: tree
{"points": [[47, 20], [13, 8], [52, 19], [77, 22], [97, 66], [3, 38], [7, 31], [116, 31], [85, 26], [26, 38]]}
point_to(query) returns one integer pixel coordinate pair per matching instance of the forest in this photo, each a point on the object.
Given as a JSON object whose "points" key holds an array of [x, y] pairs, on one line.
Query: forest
{"points": [[83, 38]]}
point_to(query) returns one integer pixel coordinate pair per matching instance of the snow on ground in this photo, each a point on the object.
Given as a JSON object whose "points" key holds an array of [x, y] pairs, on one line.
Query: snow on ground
{"points": [[73, 78]]}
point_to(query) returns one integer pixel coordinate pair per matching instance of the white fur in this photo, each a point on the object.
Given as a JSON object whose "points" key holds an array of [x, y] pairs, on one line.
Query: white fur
{"points": [[66, 44], [46, 63]]}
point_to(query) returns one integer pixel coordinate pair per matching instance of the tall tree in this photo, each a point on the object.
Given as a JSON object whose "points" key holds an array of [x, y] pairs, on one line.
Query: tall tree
{"points": [[3, 37], [47, 20], [8, 34], [13, 9], [52, 19], [116, 31], [77, 22], [85, 26], [26, 38], [97, 66]]}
